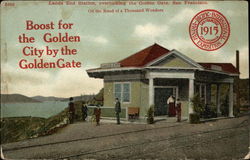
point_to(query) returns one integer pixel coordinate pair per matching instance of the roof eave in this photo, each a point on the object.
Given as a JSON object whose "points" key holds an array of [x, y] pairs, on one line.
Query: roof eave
{"points": [[114, 69], [221, 72], [99, 73]]}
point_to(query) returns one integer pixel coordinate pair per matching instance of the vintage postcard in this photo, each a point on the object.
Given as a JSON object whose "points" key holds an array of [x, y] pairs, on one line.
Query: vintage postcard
{"points": [[125, 80]]}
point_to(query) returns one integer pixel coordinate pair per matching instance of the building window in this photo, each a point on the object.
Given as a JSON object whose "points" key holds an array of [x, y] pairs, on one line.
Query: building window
{"points": [[197, 89], [122, 91], [203, 90], [200, 89], [118, 91]]}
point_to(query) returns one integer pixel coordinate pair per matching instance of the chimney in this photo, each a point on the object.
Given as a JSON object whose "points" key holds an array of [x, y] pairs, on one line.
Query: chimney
{"points": [[237, 60], [237, 81]]}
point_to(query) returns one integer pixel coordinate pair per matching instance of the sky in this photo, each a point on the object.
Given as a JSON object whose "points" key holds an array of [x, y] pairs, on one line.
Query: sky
{"points": [[107, 37]]}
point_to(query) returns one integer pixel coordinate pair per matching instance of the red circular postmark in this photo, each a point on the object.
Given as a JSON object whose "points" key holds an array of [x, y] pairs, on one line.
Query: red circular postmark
{"points": [[209, 30]]}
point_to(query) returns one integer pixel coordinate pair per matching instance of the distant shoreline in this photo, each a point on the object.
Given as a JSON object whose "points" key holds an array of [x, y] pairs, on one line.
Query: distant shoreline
{"points": [[33, 102], [20, 102], [19, 98]]}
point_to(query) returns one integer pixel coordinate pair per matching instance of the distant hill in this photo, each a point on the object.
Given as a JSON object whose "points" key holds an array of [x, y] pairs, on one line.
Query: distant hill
{"points": [[98, 98], [50, 98], [15, 98]]}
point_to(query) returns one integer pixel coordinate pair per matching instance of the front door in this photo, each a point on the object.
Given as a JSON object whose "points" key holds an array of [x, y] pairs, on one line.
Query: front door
{"points": [[161, 96]]}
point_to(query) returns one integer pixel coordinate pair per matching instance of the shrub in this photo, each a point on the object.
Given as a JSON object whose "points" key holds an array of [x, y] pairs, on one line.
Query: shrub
{"points": [[198, 107], [150, 115], [198, 104], [213, 112], [194, 118]]}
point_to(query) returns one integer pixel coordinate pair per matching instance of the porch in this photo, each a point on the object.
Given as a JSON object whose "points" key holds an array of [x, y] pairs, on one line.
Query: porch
{"points": [[184, 85]]}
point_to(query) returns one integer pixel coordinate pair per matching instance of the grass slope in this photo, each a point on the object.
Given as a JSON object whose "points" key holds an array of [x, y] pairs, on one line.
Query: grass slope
{"points": [[20, 128]]}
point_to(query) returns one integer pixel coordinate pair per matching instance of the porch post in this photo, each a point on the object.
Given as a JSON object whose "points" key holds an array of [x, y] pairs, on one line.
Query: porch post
{"points": [[218, 99], [190, 95], [151, 91], [208, 93], [231, 97], [200, 91]]}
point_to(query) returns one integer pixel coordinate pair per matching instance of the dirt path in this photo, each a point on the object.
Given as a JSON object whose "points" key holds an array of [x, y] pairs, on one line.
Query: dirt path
{"points": [[222, 139]]}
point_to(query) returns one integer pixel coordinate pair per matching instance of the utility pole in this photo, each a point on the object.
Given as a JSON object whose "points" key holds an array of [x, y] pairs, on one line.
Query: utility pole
{"points": [[237, 83]]}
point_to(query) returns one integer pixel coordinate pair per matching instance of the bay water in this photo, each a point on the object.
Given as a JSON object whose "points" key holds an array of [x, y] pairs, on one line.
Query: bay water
{"points": [[42, 109]]}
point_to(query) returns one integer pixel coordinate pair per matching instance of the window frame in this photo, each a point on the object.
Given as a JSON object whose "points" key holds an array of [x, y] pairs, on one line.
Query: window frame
{"points": [[202, 91], [122, 91]]}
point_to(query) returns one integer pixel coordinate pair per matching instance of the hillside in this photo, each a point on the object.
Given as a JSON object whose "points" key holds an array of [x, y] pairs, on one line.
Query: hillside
{"points": [[50, 98], [98, 98], [19, 128], [16, 98]]}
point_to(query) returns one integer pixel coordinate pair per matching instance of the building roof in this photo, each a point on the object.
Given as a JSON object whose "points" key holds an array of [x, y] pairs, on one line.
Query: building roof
{"points": [[225, 67], [144, 56]]}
